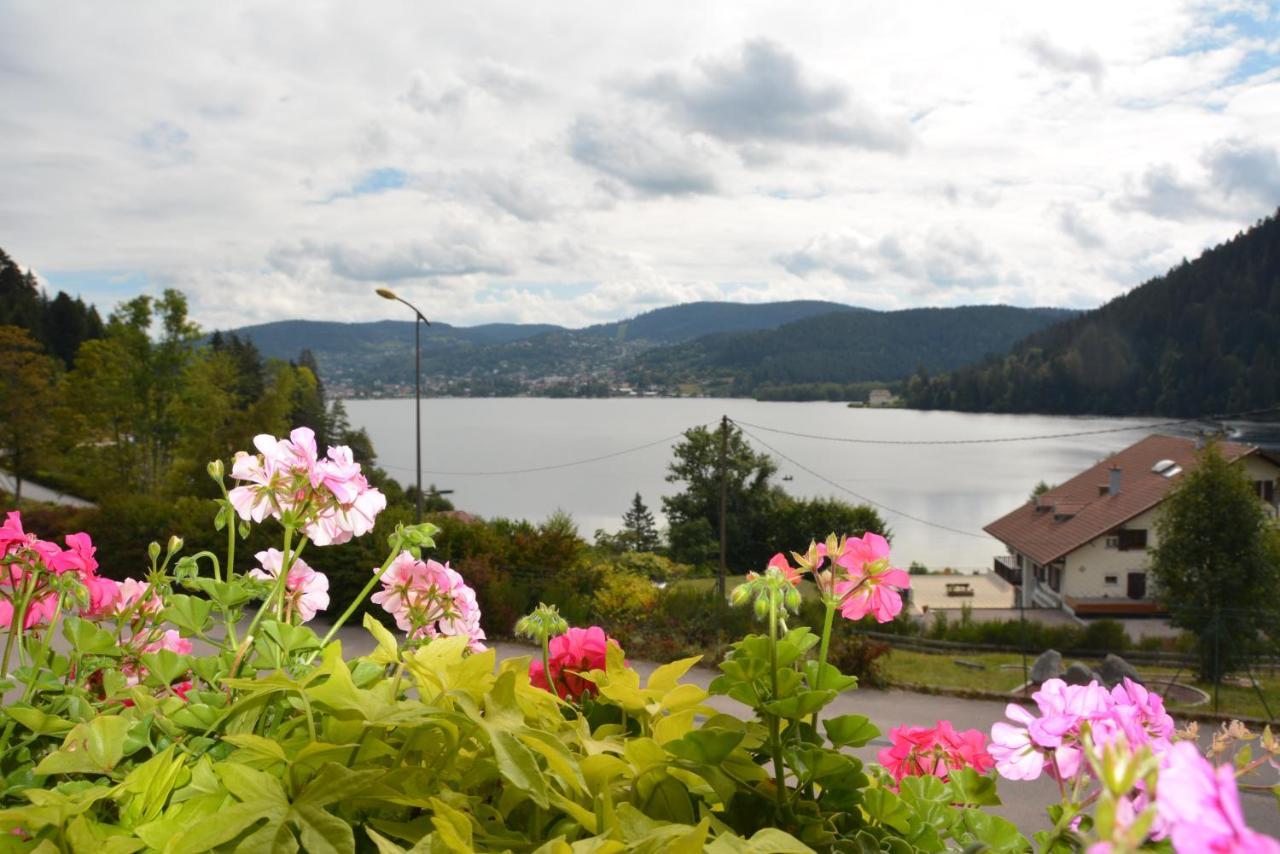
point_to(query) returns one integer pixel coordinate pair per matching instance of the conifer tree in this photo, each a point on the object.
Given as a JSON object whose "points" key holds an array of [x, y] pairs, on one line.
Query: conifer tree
{"points": [[638, 528]]}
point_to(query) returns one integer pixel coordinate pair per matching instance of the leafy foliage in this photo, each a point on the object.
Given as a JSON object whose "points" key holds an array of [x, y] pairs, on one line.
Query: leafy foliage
{"points": [[1217, 564]]}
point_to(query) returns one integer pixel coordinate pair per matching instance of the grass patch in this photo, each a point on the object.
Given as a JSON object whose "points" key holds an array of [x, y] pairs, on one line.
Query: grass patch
{"points": [[907, 667]]}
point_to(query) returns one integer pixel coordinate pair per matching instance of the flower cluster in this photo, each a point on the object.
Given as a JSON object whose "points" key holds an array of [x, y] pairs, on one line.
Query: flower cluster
{"points": [[328, 499], [1053, 741], [857, 575], [571, 654], [1198, 806], [306, 591], [34, 569], [934, 751], [430, 600]]}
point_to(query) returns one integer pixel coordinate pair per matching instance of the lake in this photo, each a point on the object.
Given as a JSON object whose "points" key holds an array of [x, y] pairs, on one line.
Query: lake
{"points": [[473, 446]]}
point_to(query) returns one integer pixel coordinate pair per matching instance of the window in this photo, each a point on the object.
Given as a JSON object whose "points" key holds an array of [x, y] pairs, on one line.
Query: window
{"points": [[1113, 542], [1266, 490], [1111, 580], [1132, 540]]}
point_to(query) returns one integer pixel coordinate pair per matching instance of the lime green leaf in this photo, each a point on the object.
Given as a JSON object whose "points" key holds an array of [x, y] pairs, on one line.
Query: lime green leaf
{"points": [[88, 638], [387, 651], [188, 613], [37, 721], [667, 676], [517, 764], [92, 748], [165, 667]]}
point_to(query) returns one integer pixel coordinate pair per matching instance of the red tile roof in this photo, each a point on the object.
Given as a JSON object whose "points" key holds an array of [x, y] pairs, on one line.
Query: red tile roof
{"points": [[1083, 508]]}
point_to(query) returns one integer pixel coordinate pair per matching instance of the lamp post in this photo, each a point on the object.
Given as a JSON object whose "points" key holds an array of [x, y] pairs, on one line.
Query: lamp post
{"points": [[387, 293]]}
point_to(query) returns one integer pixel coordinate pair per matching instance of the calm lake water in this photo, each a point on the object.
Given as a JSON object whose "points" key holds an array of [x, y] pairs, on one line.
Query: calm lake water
{"points": [[959, 486]]}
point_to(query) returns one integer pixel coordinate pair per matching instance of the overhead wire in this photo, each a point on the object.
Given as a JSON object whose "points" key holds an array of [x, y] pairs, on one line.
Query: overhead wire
{"points": [[857, 495], [855, 440]]}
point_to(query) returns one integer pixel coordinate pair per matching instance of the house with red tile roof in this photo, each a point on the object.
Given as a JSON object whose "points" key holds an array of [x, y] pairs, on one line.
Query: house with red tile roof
{"points": [[1082, 546]]}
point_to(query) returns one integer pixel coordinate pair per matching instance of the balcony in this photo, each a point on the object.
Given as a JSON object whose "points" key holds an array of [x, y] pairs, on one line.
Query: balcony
{"points": [[1006, 567]]}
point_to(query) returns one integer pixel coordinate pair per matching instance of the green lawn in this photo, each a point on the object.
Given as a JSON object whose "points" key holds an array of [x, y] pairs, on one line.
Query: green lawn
{"points": [[906, 667]]}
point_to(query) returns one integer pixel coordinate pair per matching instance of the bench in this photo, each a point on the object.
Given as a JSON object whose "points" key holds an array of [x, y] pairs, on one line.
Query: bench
{"points": [[959, 588]]}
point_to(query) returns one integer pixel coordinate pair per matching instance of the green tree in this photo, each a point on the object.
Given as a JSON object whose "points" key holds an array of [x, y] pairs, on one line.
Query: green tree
{"points": [[1217, 564], [639, 531], [27, 383], [694, 512]]}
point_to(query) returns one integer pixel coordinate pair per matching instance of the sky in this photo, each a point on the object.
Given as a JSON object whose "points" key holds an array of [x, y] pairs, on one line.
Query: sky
{"points": [[580, 162]]}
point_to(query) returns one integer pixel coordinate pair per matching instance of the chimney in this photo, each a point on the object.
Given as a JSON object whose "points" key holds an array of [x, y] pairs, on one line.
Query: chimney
{"points": [[1113, 486]]}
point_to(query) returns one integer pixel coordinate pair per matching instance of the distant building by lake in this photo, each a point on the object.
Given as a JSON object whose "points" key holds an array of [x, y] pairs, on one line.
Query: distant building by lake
{"points": [[880, 397]]}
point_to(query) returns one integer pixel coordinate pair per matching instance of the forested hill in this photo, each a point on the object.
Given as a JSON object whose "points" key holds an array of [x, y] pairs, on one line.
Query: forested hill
{"points": [[848, 347], [1203, 338]]}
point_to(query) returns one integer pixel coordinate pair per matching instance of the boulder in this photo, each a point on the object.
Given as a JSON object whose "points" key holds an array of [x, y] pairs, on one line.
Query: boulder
{"points": [[1115, 670], [1080, 674], [1047, 666]]}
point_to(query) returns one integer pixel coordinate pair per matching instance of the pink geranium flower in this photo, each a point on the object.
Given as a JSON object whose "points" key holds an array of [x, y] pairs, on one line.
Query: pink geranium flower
{"points": [[430, 599], [132, 590], [1199, 806], [104, 596], [39, 611], [305, 591], [934, 751], [573, 653], [869, 585], [329, 498]]}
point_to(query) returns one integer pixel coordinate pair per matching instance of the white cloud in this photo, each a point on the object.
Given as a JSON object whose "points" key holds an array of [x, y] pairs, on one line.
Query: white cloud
{"points": [[509, 162]]}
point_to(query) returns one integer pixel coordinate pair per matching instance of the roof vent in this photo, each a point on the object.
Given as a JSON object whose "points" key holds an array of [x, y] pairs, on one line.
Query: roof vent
{"points": [[1162, 466], [1176, 470]]}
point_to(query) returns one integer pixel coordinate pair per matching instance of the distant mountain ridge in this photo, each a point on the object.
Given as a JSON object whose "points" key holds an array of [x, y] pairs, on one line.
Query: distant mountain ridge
{"points": [[692, 346], [1202, 339]]}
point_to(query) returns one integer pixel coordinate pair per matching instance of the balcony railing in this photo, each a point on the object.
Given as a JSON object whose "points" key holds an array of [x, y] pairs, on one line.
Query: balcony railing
{"points": [[1007, 568]]}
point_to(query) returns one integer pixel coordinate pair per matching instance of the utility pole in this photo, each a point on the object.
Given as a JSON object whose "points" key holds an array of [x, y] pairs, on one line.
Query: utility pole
{"points": [[724, 505]]}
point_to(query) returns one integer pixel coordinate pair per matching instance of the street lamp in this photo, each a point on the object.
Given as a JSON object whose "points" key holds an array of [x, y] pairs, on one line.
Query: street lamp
{"points": [[387, 293]]}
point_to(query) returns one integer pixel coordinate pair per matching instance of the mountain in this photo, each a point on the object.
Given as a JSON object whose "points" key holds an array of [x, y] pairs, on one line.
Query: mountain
{"points": [[1202, 339], [505, 358], [676, 323], [846, 347]]}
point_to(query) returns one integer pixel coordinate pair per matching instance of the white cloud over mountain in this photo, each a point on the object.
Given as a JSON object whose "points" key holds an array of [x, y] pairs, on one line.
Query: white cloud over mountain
{"points": [[572, 164]]}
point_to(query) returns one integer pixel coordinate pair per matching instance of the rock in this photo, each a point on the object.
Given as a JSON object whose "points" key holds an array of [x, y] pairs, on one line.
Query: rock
{"points": [[972, 665], [1080, 674], [1047, 666], [1115, 670]]}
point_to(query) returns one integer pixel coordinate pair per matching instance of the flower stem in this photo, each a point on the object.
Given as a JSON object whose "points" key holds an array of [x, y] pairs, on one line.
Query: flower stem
{"points": [[355, 603], [775, 738], [277, 591], [827, 623]]}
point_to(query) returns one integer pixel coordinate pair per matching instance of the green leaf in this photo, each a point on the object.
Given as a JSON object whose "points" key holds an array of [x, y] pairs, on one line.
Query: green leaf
{"points": [[706, 746], [37, 721], [884, 807], [767, 841], [188, 613], [88, 638], [971, 788], [995, 832], [517, 764], [850, 730], [164, 667], [831, 677], [92, 748], [801, 705]]}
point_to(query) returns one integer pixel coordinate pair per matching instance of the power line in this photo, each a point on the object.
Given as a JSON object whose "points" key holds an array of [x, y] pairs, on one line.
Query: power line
{"points": [[1002, 439], [858, 496], [566, 465]]}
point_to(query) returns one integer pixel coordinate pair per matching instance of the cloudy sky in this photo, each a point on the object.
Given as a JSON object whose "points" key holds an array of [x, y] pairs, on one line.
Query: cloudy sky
{"points": [[580, 162]]}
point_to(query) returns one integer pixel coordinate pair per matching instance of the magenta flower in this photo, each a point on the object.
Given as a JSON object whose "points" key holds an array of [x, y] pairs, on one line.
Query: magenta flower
{"points": [[870, 585], [104, 596], [569, 655], [1053, 739], [305, 590], [77, 558], [1199, 806], [430, 600], [934, 751], [39, 611]]}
